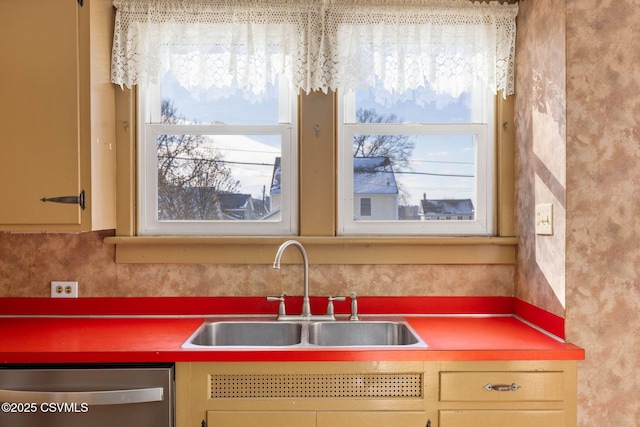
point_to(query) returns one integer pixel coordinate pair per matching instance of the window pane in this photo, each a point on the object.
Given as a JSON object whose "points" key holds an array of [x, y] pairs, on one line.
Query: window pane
{"points": [[365, 206], [218, 177], [425, 160], [422, 105], [415, 177], [221, 105]]}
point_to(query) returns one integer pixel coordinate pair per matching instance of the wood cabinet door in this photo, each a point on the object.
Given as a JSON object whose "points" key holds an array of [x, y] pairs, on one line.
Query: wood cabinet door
{"points": [[372, 419], [261, 418], [39, 111], [492, 418]]}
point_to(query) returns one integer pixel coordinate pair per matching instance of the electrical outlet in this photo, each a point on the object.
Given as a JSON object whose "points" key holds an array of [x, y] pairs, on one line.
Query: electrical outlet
{"points": [[544, 219], [64, 289]]}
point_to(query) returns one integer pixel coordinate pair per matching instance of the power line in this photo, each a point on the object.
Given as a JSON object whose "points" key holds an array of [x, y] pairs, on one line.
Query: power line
{"points": [[229, 162], [449, 175], [441, 162], [217, 161], [432, 174]]}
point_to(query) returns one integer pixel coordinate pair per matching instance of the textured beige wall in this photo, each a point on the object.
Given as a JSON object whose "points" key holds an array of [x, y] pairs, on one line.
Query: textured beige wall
{"points": [[600, 71], [603, 178], [541, 151], [29, 262]]}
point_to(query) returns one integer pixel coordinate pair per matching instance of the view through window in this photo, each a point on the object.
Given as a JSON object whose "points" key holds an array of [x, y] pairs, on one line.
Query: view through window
{"points": [[219, 157], [417, 157]]}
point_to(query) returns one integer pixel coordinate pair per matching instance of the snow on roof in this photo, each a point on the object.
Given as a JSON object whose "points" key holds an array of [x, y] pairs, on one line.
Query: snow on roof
{"points": [[373, 175], [447, 206]]}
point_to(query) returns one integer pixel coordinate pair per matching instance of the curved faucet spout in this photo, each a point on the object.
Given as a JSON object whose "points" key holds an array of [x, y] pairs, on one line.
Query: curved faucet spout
{"points": [[306, 307]]}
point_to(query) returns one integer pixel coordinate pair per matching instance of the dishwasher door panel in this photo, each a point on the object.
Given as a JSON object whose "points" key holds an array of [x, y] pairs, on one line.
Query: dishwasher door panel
{"points": [[100, 397]]}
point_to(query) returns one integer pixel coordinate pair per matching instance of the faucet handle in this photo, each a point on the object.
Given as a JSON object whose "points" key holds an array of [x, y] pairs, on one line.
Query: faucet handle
{"points": [[282, 311], [330, 311]]}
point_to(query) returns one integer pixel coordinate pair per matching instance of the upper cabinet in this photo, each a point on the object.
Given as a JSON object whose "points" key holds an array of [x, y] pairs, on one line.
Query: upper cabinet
{"points": [[57, 116]]}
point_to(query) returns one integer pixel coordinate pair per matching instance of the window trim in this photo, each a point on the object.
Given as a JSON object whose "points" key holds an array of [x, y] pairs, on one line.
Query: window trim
{"points": [[149, 117], [483, 117], [317, 225]]}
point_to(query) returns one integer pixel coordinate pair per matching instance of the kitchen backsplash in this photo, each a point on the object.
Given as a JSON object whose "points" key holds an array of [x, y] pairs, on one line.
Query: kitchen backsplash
{"points": [[29, 262]]}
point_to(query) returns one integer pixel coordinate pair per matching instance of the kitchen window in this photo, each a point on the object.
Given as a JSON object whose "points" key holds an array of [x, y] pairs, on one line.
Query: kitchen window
{"points": [[451, 48], [422, 155], [219, 162]]}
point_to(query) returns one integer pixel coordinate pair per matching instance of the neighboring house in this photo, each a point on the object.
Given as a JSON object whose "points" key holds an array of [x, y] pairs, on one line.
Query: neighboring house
{"points": [[375, 191], [275, 191], [446, 209], [238, 206], [374, 187], [205, 204]]}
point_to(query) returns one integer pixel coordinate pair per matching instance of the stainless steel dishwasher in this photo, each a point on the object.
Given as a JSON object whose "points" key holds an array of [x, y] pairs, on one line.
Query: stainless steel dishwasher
{"points": [[87, 395]]}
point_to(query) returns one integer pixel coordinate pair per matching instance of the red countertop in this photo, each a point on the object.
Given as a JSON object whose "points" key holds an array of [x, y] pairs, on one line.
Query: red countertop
{"points": [[34, 331]]}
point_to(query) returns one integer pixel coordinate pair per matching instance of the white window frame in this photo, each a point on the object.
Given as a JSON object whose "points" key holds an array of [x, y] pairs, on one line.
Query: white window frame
{"points": [[149, 106], [482, 127]]}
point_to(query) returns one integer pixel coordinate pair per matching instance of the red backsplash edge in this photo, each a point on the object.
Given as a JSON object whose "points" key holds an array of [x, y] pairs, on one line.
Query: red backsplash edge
{"points": [[550, 322], [379, 305], [250, 305]]}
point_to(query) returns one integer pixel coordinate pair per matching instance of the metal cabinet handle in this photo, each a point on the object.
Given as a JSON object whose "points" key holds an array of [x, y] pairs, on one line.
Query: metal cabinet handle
{"points": [[501, 387], [94, 398], [73, 200]]}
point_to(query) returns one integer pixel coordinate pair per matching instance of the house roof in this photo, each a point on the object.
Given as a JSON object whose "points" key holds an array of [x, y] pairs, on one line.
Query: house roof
{"points": [[276, 187], [447, 206], [234, 200], [373, 175]]}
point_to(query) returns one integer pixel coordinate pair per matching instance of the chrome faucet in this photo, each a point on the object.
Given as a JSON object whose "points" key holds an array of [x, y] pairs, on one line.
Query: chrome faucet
{"points": [[306, 307]]}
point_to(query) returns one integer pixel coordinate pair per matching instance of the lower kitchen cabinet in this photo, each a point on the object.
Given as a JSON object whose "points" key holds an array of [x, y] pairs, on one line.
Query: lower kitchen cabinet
{"points": [[261, 418], [377, 394], [525, 394], [315, 419], [371, 419], [492, 418], [301, 394]]}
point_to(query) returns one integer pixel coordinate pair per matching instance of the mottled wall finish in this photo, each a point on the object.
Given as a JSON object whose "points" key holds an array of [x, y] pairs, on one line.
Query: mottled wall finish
{"points": [[29, 262], [541, 151], [602, 261], [603, 185]]}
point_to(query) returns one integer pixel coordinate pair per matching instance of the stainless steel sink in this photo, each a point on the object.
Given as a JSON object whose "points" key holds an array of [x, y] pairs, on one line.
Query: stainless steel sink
{"points": [[271, 333], [371, 333], [246, 334]]}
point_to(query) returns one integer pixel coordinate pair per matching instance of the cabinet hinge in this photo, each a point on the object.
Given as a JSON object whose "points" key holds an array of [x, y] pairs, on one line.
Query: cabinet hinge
{"points": [[73, 200]]}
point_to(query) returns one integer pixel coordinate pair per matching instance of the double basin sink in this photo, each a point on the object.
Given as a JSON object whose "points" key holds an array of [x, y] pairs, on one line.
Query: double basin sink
{"points": [[362, 333]]}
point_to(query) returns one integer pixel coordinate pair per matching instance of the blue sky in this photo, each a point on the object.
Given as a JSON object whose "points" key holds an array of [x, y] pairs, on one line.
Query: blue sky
{"points": [[436, 154]]}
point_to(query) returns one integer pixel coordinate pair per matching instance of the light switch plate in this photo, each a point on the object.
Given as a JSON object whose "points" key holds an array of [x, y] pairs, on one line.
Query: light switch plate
{"points": [[544, 219]]}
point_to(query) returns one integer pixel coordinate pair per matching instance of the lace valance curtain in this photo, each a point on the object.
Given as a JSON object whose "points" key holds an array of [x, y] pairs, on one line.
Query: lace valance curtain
{"points": [[316, 44]]}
